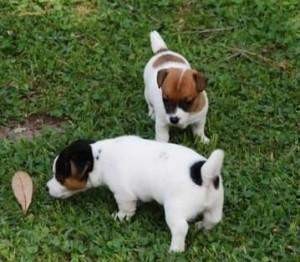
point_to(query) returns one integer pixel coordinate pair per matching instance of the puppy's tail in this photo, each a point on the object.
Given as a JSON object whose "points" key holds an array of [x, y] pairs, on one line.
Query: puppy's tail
{"points": [[157, 43], [212, 168]]}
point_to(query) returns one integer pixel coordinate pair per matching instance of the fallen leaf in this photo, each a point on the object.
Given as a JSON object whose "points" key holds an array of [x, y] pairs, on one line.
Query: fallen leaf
{"points": [[22, 187]]}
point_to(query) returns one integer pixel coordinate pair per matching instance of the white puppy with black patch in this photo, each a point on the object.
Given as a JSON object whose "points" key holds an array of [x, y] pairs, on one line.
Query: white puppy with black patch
{"points": [[174, 92], [181, 180]]}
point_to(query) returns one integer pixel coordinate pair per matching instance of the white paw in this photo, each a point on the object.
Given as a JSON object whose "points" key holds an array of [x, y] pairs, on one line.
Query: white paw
{"points": [[204, 139], [202, 225], [176, 248], [121, 216]]}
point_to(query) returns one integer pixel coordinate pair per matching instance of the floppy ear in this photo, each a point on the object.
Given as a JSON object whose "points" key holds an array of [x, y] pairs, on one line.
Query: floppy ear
{"points": [[80, 174], [161, 76], [200, 81]]}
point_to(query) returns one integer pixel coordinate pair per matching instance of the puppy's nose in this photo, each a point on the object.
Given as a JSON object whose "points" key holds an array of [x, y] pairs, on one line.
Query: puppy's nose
{"points": [[174, 119], [47, 188]]}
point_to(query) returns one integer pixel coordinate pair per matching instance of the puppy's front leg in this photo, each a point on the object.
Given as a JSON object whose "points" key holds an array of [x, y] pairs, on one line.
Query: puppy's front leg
{"points": [[151, 113], [178, 227], [198, 130], [126, 209], [161, 131]]}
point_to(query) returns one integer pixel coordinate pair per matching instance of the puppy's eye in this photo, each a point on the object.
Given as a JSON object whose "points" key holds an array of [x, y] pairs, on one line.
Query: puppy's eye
{"points": [[169, 105], [165, 98], [185, 105]]}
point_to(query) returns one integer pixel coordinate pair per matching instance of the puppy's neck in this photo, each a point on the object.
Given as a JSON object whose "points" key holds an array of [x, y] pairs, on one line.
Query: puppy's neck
{"points": [[96, 176]]}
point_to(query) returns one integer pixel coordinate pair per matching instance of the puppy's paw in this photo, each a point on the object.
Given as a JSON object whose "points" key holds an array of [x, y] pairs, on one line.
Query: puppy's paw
{"points": [[203, 225], [176, 248], [121, 216], [204, 139]]}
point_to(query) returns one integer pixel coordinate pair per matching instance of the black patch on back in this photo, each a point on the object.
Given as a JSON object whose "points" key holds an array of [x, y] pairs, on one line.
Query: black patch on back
{"points": [[195, 172], [80, 152], [216, 182]]}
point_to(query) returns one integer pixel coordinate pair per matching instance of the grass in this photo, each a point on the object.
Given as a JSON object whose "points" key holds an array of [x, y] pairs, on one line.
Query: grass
{"points": [[82, 61]]}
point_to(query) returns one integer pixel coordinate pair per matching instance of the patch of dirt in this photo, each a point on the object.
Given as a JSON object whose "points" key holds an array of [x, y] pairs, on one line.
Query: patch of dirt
{"points": [[84, 8], [30, 127]]}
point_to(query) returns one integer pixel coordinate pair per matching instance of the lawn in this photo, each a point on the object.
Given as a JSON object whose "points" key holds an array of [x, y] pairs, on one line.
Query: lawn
{"points": [[73, 69]]}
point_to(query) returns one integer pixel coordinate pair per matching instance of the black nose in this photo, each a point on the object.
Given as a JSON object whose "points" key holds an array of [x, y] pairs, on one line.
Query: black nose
{"points": [[47, 188], [174, 119]]}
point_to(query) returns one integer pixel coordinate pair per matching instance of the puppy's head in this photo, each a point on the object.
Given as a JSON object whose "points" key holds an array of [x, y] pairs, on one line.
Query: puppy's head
{"points": [[181, 93], [71, 170]]}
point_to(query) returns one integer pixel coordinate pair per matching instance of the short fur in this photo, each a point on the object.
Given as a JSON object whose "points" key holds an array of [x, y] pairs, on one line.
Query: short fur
{"points": [[167, 58], [169, 80], [73, 165], [138, 169]]}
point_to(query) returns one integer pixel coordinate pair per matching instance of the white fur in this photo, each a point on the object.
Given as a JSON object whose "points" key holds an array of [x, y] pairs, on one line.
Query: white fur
{"points": [[153, 96], [138, 169], [157, 42]]}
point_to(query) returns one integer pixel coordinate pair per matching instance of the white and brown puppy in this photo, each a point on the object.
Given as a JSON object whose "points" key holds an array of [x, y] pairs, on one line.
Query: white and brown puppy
{"points": [[181, 180], [174, 92]]}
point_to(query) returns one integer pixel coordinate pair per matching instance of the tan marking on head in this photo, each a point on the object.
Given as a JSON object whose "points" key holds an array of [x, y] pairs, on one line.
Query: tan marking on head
{"points": [[76, 179], [183, 85], [73, 183], [168, 58], [198, 104], [179, 84]]}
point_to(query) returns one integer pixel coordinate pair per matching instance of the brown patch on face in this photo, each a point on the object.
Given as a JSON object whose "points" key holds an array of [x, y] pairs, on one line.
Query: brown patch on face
{"points": [[200, 80], [72, 183], [183, 88], [76, 180], [198, 103], [167, 58]]}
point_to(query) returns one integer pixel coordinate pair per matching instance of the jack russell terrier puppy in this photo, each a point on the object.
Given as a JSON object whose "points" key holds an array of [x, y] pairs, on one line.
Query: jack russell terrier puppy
{"points": [[181, 180], [174, 92]]}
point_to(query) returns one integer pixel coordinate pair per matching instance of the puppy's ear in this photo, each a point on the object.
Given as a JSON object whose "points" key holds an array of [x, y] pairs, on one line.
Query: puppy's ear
{"points": [[161, 76], [79, 173], [200, 81]]}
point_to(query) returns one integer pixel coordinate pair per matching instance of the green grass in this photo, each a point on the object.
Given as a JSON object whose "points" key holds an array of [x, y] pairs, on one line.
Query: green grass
{"points": [[82, 61]]}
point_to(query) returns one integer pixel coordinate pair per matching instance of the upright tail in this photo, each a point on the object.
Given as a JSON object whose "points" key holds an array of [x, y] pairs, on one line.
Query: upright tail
{"points": [[157, 43], [211, 169]]}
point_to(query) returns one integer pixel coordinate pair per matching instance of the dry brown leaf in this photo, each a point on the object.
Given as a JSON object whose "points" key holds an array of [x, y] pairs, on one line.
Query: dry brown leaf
{"points": [[22, 187]]}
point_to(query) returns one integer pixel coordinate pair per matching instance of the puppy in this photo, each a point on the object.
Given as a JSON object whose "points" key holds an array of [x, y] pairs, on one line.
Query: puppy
{"points": [[174, 92], [181, 180]]}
